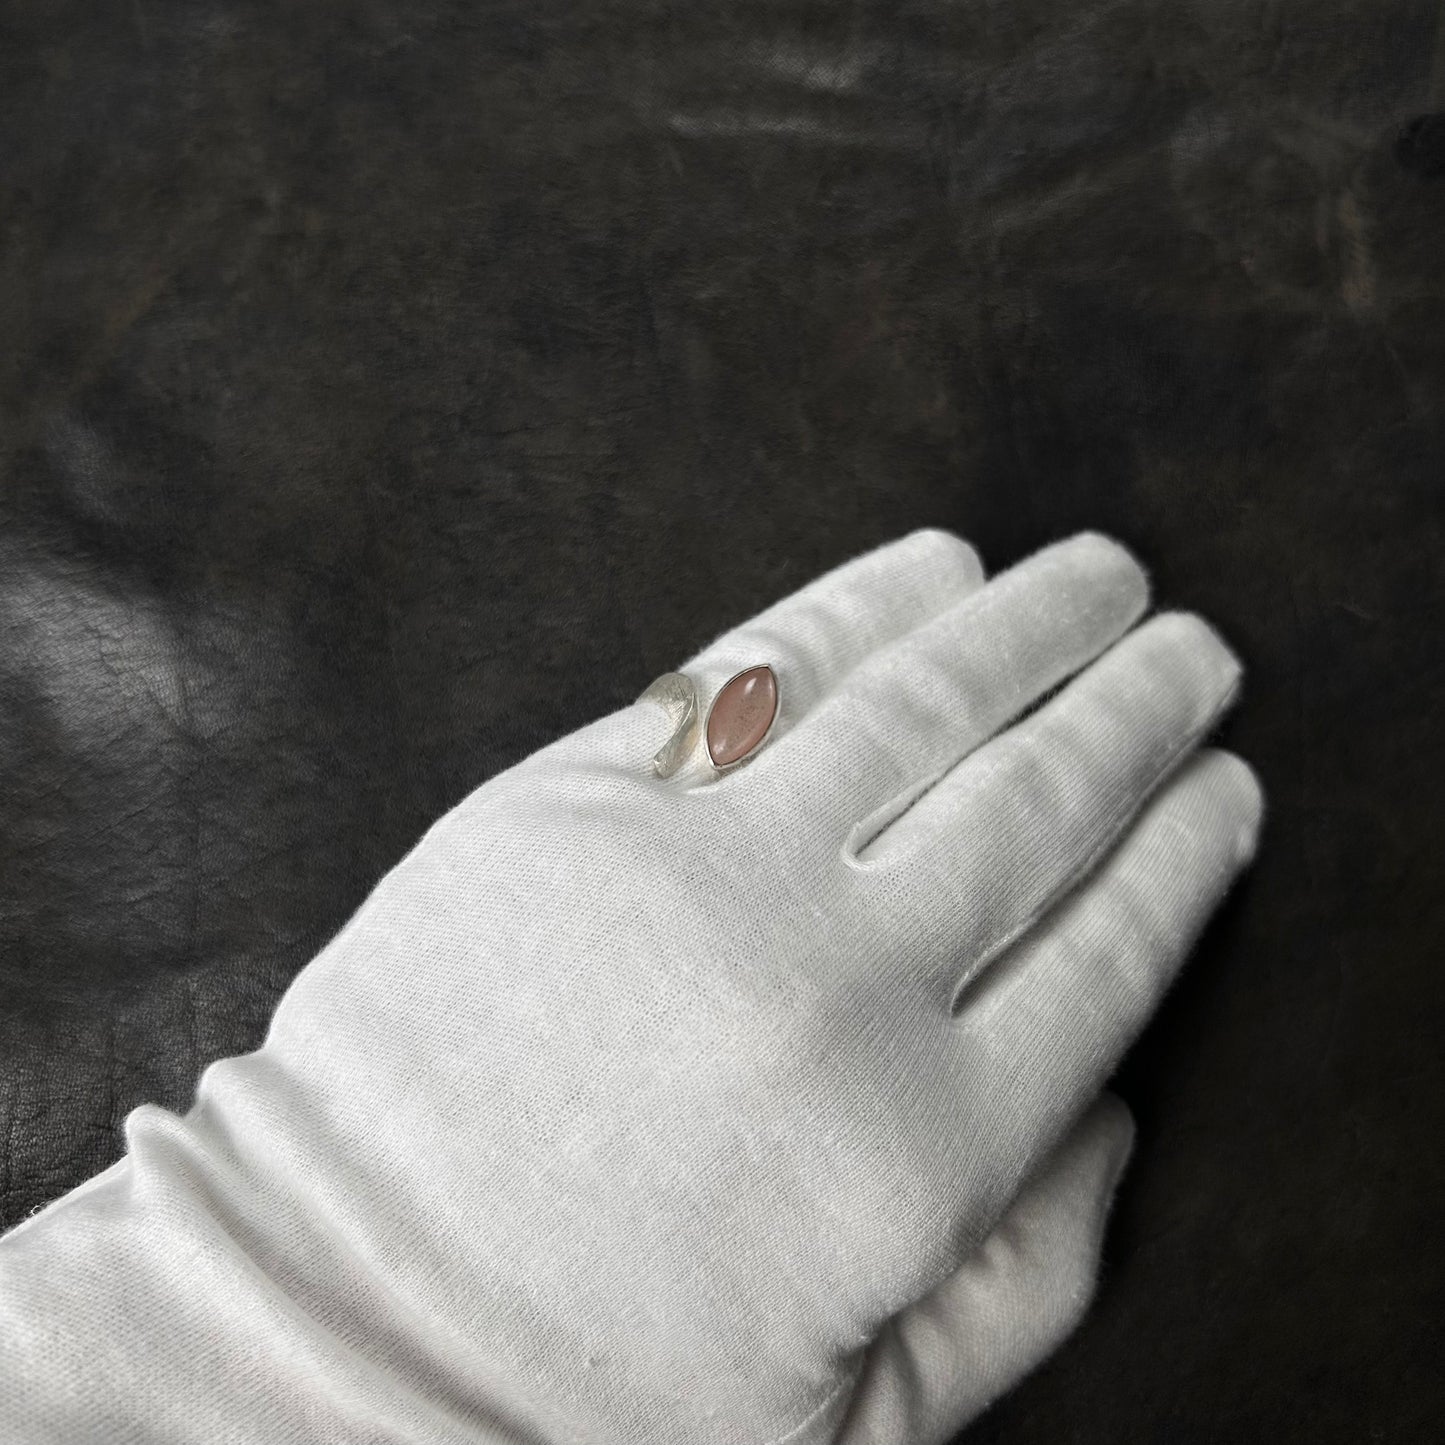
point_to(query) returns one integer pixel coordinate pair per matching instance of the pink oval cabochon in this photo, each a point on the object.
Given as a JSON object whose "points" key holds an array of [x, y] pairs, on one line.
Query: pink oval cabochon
{"points": [[741, 714]]}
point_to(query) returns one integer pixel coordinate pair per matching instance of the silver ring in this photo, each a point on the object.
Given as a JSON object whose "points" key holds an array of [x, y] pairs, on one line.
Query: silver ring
{"points": [[739, 718]]}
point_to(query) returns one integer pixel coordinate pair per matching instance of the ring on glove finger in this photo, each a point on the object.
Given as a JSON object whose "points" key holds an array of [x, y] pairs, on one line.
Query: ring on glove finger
{"points": [[739, 718]]}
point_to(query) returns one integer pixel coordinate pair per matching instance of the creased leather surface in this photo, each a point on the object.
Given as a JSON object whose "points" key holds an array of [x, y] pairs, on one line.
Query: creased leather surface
{"points": [[387, 390]]}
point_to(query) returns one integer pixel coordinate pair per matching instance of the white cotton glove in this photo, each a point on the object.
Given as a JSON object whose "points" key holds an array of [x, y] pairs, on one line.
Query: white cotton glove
{"points": [[726, 1110]]}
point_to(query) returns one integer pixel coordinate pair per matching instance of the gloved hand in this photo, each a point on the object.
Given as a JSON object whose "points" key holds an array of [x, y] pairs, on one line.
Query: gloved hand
{"points": [[726, 1110]]}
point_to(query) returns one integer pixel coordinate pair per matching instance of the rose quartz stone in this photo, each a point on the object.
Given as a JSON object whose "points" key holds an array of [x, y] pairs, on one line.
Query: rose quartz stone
{"points": [[741, 714]]}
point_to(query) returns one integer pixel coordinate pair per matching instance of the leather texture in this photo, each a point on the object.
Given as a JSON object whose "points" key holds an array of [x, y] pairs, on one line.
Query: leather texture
{"points": [[387, 390]]}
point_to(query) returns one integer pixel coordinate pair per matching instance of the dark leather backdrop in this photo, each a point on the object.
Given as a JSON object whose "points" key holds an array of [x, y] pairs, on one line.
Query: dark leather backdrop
{"points": [[388, 389]]}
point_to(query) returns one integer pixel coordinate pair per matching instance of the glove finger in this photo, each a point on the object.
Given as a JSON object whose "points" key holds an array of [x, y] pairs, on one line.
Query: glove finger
{"points": [[1047, 1024], [937, 693], [942, 1361], [818, 635], [1016, 824]]}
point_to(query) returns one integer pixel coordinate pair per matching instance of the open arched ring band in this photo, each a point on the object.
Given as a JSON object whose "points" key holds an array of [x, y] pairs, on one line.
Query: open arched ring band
{"points": [[739, 718]]}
